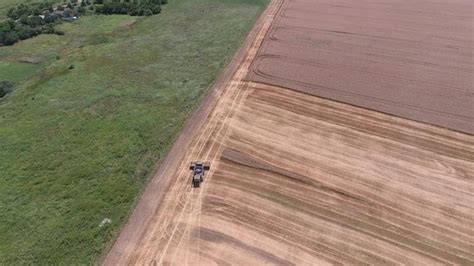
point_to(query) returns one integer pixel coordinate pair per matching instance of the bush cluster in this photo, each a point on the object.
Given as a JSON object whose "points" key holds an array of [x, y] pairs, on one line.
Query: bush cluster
{"points": [[26, 27], [36, 9], [5, 87], [136, 8], [24, 22]]}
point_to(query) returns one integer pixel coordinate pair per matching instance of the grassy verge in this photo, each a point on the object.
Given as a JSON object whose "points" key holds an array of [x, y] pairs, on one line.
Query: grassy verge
{"points": [[77, 145]]}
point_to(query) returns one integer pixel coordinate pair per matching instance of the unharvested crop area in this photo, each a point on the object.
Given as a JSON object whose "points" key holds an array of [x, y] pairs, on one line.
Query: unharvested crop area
{"points": [[77, 145], [298, 179], [413, 59]]}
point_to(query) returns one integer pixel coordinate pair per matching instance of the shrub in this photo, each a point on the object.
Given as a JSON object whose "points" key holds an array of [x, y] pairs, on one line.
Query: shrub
{"points": [[10, 38], [156, 9], [81, 10], [48, 29], [147, 12], [5, 87], [49, 19], [26, 33], [19, 11], [35, 22]]}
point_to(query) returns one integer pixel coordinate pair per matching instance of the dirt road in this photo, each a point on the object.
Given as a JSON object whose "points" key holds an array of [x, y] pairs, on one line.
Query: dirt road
{"points": [[297, 179]]}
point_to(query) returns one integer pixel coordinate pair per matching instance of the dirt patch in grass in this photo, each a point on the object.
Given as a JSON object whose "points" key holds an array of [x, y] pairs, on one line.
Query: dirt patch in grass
{"points": [[30, 60], [128, 23]]}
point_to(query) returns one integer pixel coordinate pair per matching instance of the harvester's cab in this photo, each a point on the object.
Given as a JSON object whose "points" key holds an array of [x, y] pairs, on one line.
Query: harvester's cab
{"points": [[198, 172]]}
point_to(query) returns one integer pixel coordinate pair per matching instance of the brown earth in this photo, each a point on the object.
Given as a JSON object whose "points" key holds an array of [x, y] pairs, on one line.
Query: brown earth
{"points": [[298, 179], [413, 59]]}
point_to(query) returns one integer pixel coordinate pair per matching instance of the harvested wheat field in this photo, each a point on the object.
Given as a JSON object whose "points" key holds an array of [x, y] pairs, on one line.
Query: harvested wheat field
{"points": [[299, 179]]}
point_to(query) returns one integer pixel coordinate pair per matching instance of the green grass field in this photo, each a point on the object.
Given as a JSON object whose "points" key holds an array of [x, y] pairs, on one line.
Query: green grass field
{"points": [[78, 145]]}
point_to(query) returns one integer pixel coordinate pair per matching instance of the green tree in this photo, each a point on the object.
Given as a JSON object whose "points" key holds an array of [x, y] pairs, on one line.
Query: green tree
{"points": [[11, 38], [147, 12], [35, 22], [36, 12], [25, 33], [24, 19]]}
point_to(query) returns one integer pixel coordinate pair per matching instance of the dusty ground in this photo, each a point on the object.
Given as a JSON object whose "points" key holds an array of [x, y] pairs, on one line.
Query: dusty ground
{"points": [[297, 179], [413, 59]]}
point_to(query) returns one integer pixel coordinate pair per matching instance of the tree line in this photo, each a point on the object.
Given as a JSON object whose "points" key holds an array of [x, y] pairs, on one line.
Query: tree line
{"points": [[24, 22], [132, 8]]}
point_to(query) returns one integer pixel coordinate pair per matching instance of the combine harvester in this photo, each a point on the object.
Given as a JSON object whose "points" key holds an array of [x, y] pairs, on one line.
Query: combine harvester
{"points": [[198, 172]]}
